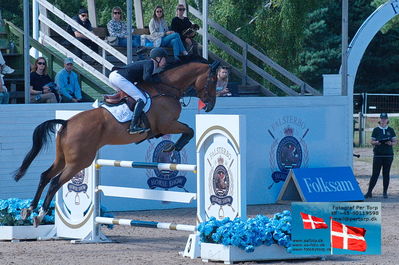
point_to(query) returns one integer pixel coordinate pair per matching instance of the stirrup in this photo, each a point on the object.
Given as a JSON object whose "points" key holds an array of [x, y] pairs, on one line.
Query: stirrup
{"points": [[138, 130]]}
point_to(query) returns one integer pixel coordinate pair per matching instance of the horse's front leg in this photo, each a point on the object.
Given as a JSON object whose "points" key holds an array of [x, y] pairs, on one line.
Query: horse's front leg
{"points": [[176, 128]]}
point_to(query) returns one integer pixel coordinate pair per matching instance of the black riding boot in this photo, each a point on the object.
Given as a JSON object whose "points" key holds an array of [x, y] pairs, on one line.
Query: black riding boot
{"points": [[134, 126]]}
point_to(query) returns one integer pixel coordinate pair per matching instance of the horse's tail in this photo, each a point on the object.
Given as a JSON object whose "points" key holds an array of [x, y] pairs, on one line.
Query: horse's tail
{"points": [[40, 138]]}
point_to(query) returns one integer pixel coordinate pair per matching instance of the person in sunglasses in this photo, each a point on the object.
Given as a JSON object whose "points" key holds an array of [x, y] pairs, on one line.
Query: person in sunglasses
{"points": [[82, 19], [68, 83], [118, 28], [187, 30], [40, 91], [161, 36]]}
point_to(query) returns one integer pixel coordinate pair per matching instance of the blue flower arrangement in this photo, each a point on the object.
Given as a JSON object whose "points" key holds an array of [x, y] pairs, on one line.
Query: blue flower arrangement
{"points": [[250, 233], [10, 212]]}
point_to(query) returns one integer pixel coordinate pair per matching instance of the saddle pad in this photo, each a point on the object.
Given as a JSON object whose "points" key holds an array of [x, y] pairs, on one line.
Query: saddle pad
{"points": [[121, 112]]}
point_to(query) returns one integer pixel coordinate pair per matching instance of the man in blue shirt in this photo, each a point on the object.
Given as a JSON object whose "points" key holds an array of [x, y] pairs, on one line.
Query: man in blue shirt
{"points": [[67, 82]]}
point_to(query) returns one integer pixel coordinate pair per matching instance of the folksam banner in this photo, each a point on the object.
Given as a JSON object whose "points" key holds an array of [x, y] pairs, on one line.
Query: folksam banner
{"points": [[326, 184]]}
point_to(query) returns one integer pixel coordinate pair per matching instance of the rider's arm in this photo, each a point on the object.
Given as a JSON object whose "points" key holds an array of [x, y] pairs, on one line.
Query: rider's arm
{"points": [[148, 74]]}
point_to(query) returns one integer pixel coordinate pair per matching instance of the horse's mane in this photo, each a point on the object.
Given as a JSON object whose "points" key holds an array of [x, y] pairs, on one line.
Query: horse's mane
{"points": [[185, 60]]}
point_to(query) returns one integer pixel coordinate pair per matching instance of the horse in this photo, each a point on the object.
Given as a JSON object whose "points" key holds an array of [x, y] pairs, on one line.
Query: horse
{"points": [[81, 136]]}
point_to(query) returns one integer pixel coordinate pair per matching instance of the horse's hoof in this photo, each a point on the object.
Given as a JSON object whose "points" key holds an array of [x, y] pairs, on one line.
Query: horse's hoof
{"points": [[36, 221], [25, 213], [169, 148]]}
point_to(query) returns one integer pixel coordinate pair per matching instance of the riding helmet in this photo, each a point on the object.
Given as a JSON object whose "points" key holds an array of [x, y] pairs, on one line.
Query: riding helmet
{"points": [[158, 52]]}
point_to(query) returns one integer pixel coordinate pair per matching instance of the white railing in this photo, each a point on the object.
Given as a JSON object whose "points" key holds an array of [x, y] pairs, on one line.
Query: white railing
{"points": [[44, 37], [247, 64]]}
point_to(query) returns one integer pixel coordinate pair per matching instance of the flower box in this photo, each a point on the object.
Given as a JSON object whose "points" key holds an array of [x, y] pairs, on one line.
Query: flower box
{"points": [[25, 232], [230, 254]]}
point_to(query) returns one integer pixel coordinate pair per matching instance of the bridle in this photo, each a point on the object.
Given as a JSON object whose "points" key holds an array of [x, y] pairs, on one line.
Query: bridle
{"points": [[210, 79]]}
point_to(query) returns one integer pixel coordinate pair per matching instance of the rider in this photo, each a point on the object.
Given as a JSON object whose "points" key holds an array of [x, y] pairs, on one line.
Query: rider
{"points": [[146, 70]]}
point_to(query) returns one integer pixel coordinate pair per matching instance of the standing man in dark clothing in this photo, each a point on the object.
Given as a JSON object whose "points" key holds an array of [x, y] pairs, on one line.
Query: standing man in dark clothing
{"points": [[382, 138], [83, 19], [125, 78]]}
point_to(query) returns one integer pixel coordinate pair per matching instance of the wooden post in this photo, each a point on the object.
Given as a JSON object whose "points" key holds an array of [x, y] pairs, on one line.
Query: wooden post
{"points": [[50, 61], [138, 12], [361, 129], [344, 44], [205, 29], [91, 7], [244, 64]]}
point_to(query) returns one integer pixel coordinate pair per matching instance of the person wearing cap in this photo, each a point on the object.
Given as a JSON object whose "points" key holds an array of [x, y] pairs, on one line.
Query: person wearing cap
{"points": [[68, 83], [124, 79], [383, 138], [82, 19]]}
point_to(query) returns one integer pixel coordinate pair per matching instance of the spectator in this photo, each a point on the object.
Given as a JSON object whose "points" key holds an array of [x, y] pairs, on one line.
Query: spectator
{"points": [[40, 82], [186, 30], [118, 28], [67, 81], [383, 138], [82, 19], [162, 36], [4, 96], [4, 69], [223, 80]]}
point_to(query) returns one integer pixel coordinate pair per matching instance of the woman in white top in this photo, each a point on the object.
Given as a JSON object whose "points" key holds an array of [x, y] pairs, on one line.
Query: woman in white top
{"points": [[162, 36], [223, 80]]}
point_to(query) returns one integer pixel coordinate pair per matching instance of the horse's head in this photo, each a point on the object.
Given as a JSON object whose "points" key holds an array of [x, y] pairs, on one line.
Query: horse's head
{"points": [[206, 86], [195, 73]]}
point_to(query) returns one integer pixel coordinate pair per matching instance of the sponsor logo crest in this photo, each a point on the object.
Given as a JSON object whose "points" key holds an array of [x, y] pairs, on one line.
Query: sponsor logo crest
{"points": [[165, 179], [78, 184], [220, 179], [289, 149]]}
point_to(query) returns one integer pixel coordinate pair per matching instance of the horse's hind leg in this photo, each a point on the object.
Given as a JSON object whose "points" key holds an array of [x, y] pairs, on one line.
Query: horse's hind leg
{"points": [[56, 183], [175, 128], [45, 178]]}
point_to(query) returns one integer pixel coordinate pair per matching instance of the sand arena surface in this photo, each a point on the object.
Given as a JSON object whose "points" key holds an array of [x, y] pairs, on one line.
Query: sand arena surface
{"points": [[134, 245]]}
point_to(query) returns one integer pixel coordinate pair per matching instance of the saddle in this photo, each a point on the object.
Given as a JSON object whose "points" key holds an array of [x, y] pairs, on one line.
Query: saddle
{"points": [[119, 98]]}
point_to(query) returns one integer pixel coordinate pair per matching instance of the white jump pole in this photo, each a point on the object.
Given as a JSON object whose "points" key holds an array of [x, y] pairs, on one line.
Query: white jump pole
{"points": [[132, 164], [147, 224]]}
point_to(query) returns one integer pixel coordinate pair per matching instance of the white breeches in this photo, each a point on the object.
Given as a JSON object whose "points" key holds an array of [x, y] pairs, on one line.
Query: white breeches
{"points": [[126, 86]]}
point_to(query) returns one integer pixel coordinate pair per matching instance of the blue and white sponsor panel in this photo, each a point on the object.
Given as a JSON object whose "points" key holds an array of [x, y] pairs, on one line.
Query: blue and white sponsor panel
{"points": [[327, 184]]}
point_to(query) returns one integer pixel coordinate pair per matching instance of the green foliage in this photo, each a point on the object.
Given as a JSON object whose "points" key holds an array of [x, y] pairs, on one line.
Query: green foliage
{"points": [[321, 53], [13, 11]]}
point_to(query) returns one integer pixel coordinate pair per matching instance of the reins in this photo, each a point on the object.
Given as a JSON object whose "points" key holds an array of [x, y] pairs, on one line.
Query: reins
{"points": [[180, 95]]}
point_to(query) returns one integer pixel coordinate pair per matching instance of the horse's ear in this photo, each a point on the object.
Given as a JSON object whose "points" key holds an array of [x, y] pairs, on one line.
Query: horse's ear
{"points": [[214, 66]]}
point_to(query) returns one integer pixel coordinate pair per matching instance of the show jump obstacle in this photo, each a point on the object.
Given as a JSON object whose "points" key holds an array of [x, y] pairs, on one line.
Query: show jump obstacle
{"points": [[221, 187]]}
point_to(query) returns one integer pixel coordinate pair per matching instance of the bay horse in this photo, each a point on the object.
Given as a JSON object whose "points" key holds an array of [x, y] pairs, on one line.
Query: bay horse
{"points": [[80, 137]]}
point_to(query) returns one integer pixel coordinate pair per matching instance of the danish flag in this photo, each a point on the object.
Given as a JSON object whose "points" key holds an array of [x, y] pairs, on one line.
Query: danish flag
{"points": [[312, 222], [347, 237]]}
